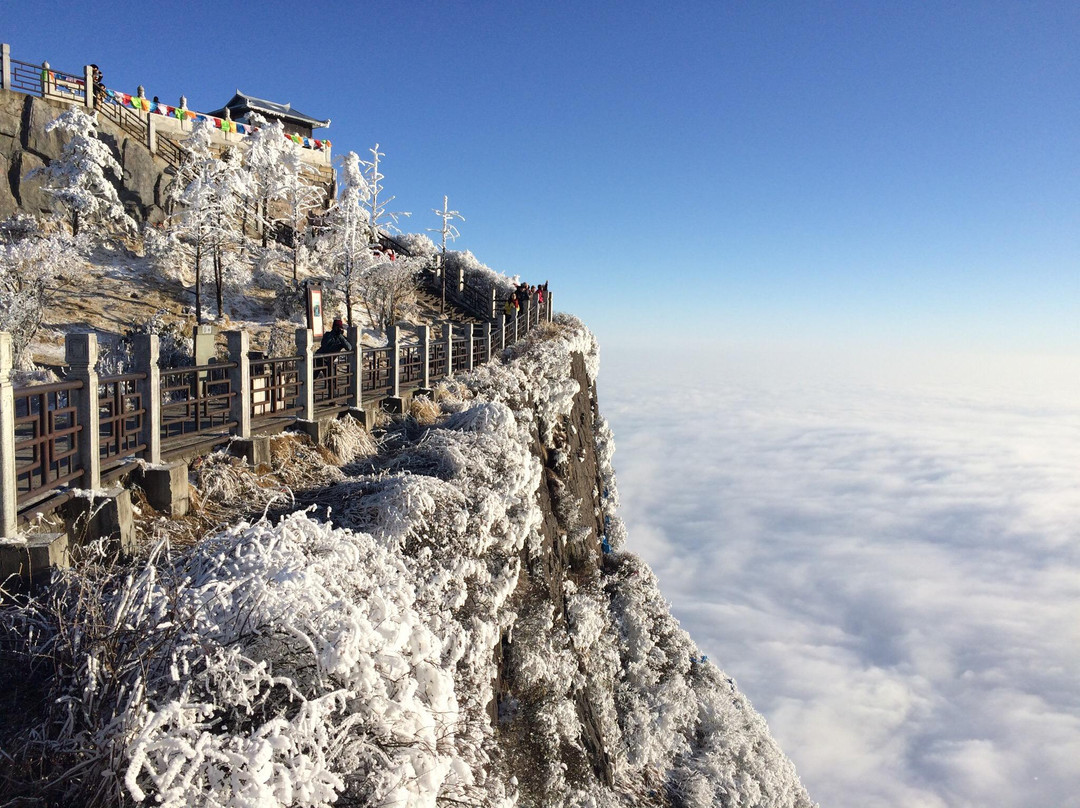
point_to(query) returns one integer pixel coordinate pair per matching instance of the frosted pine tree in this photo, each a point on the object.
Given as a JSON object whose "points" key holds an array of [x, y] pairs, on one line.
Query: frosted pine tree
{"points": [[294, 189], [77, 180], [378, 216], [448, 230], [266, 147], [208, 192], [346, 240]]}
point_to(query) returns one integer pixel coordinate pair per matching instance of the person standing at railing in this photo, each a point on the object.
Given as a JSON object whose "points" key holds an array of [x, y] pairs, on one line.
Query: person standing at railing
{"points": [[334, 340], [99, 85]]}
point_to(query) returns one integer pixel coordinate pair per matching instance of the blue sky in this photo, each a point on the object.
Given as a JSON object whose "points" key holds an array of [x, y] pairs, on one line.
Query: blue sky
{"points": [[820, 173]]}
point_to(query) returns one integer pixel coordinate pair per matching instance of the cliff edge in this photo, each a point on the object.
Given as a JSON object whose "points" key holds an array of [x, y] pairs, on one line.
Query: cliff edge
{"points": [[456, 621]]}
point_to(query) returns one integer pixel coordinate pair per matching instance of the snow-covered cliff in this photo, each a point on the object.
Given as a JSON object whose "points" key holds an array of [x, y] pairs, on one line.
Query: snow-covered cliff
{"points": [[458, 622]]}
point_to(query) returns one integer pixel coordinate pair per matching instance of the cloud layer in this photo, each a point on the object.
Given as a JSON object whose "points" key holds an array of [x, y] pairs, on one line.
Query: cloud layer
{"points": [[888, 564]]}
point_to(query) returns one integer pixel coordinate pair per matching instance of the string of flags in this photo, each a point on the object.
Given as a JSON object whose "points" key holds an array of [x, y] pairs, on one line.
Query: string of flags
{"points": [[224, 124]]}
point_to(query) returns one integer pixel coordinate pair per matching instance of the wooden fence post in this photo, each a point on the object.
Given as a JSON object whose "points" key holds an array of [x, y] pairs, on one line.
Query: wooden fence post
{"points": [[88, 86], [356, 368], [9, 502], [82, 357], [550, 308], [147, 352], [470, 357], [306, 368], [239, 344], [5, 66], [491, 316], [393, 342], [517, 316], [425, 351], [502, 331], [448, 337], [487, 341]]}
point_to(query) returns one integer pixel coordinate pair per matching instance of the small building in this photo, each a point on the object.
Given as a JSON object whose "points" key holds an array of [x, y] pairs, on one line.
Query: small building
{"points": [[243, 106]]}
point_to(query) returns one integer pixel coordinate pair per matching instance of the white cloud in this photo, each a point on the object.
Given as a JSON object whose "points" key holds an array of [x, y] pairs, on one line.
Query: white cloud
{"points": [[888, 562]]}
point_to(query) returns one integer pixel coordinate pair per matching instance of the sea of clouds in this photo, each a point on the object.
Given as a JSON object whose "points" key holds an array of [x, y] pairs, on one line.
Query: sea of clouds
{"points": [[885, 555]]}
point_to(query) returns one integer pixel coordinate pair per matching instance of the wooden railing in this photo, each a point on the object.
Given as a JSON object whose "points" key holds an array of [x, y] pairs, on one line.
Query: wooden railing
{"points": [[376, 365], [46, 441], [120, 420], [333, 381], [275, 388], [196, 404], [410, 365], [88, 429]]}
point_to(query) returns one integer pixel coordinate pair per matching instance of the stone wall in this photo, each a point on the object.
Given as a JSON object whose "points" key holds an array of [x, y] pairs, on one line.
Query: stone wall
{"points": [[24, 146]]}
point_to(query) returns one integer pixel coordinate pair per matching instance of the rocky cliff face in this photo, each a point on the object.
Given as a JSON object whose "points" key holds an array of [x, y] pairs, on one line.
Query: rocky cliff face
{"points": [[457, 622], [25, 146]]}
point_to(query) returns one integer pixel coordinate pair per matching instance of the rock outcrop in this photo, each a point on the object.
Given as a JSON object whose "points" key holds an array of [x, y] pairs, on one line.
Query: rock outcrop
{"points": [[25, 146]]}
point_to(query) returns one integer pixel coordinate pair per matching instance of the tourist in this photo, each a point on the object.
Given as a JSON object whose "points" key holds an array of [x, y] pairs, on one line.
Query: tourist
{"points": [[334, 340]]}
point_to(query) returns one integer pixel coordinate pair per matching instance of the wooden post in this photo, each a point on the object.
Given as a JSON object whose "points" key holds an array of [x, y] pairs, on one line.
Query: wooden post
{"points": [[239, 343], [502, 331], [550, 308], [147, 353], [5, 66], [425, 352], [528, 312], [88, 86], [9, 503], [448, 337], [393, 342], [492, 314], [487, 341], [82, 357], [356, 368], [306, 368]]}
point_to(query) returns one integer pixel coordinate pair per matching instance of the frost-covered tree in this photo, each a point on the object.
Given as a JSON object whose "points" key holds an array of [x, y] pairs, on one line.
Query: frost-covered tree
{"points": [[34, 268], [378, 216], [294, 189], [448, 230], [387, 289], [346, 239], [77, 180], [208, 192], [266, 148]]}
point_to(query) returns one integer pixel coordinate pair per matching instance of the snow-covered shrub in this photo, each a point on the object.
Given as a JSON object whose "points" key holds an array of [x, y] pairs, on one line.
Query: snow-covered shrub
{"points": [[417, 244], [479, 275], [347, 439]]}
